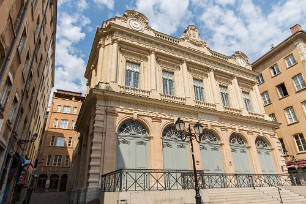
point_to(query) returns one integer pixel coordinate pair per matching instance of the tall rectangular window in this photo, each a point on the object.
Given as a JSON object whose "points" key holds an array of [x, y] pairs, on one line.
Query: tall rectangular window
{"points": [[291, 117], [300, 142], [168, 83], [299, 82], [60, 141], [22, 40], [66, 109], [26, 64], [304, 106], [57, 160], [48, 160], [283, 147], [282, 90], [13, 109], [198, 90], [247, 101], [5, 92], [290, 60], [67, 161], [69, 142], [265, 98], [55, 123], [75, 109], [274, 70], [224, 95], [58, 109], [260, 79], [64, 124], [72, 124], [52, 140], [132, 74]]}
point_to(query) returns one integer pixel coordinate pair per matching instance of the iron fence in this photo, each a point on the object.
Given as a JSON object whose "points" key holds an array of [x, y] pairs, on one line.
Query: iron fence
{"points": [[157, 179]]}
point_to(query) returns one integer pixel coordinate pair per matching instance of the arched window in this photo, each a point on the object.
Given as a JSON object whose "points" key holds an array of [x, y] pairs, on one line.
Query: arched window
{"points": [[132, 127], [41, 182], [237, 140], [209, 137], [171, 133], [132, 146], [261, 143], [54, 182]]}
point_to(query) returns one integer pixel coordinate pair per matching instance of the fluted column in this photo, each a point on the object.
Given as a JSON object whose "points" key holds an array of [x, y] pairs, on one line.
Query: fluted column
{"points": [[186, 79], [215, 92], [259, 100], [114, 69], [153, 70], [100, 62], [238, 93]]}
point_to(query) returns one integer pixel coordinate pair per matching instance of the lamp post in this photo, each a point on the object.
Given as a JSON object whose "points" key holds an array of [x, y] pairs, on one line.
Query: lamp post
{"points": [[34, 137], [198, 129]]}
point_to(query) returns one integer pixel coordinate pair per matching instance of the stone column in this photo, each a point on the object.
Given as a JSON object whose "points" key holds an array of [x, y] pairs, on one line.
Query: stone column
{"points": [[227, 152], [114, 67], [153, 78], [259, 100], [186, 83], [215, 91], [100, 62], [254, 159], [238, 94], [156, 144]]}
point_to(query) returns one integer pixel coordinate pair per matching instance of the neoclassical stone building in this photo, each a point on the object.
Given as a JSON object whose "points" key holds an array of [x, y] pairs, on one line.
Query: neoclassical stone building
{"points": [[140, 81]]}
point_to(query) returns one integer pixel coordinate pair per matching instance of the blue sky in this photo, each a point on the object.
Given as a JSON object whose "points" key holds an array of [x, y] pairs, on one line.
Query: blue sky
{"points": [[250, 26]]}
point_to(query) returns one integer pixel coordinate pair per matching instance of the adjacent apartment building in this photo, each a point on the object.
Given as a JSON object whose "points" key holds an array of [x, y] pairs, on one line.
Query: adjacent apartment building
{"points": [[58, 142], [281, 81], [140, 81], [27, 45]]}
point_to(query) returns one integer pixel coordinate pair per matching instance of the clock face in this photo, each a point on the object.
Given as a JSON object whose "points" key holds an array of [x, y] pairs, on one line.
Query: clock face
{"points": [[135, 24], [241, 62]]}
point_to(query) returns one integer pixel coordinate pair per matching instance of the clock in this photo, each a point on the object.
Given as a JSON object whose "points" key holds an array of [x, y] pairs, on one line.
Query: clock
{"points": [[241, 62], [135, 24]]}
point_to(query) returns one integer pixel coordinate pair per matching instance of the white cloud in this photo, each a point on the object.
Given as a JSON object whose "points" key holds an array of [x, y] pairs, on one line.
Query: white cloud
{"points": [[70, 66], [82, 4], [165, 16], [108, 3]]}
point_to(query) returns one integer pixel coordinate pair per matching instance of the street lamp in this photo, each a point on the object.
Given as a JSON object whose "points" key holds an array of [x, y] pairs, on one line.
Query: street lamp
{"points": [[198, 129], [34, 137]]}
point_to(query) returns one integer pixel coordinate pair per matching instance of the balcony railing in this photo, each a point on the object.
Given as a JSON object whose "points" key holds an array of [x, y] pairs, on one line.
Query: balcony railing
{"points": [[134, 91], [156, 179], [232, 110], [256, 115], [173, 99], [202, 104]]}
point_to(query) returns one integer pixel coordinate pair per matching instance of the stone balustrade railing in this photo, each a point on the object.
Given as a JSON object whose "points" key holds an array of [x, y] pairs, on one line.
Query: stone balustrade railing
{"points": [[134, 91], [232, 110], [202, 104], [173, 99], [257, 115]]}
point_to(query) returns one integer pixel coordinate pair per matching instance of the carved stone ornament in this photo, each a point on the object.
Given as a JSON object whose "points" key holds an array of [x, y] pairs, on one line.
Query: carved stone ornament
{"points": [[136, 20], [192, 35]]}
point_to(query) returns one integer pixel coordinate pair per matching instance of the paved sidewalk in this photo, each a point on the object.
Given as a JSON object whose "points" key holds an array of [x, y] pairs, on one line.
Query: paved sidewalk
{"points": [[50, 198]]}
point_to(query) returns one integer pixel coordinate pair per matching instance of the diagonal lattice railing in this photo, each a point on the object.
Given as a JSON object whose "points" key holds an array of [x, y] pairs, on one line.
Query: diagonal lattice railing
{"points": [[157, 179]]}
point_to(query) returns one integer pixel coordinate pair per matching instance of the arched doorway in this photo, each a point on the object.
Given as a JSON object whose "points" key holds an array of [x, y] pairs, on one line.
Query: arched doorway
{"points": [[265, 156], [240, 154], [132, 146], [41, 182], [211, 153], [175, 152], [53, 182], [63, 183]]}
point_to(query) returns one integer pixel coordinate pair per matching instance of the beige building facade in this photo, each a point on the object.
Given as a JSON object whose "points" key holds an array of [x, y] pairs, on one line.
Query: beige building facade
{"points": [[281, 79], [59, 141], [140, 81], [27, 56]]}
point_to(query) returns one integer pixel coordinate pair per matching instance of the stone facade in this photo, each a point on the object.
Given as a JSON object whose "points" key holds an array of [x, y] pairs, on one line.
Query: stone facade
{"points": [[148, 99], [292, 131], [27, 46]]}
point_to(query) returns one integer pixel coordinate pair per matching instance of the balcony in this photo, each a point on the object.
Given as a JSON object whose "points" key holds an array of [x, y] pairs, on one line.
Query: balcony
{"points": [[173, 99], [256, 115], [134, 91], [232, 110], [202, 104]]}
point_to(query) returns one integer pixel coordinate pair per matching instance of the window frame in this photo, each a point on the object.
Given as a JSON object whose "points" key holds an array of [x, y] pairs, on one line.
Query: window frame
{"points": [[301, 82], [225, 98], [69, 142], [260, 79], [132, 74], [168, 83], [290, 57], [198, 89], [67, 161], [282, 89], [247, 101], [48, 161], [300, 142], [52, 141], [292, 115], [274, 70], [66, 109], [265, 98], [64, 125], [60, 141]]}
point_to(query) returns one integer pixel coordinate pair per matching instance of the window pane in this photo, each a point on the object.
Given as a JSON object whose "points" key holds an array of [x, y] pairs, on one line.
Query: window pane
{"points": [[224, 96], [64, 124], [132, 74], [299, 82], [198, 89], [168, 83], [60, 142], [291, 117], [75, 109], [247, 101], [58, 108], [66, 109]]}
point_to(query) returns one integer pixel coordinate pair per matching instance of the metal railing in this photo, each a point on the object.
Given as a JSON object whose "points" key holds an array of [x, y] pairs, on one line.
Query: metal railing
{"points": [[157, 179]]}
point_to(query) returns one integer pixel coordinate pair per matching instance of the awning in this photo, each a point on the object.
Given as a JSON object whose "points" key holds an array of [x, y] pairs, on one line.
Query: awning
{"points": [[293, 164]]}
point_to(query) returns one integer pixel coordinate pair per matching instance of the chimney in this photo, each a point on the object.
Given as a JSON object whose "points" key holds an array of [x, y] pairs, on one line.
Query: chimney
{"points": [[296, 28]]}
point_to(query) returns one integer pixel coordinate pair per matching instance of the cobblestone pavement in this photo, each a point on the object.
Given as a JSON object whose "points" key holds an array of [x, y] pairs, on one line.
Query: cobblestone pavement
{"points": [[50, 198]]}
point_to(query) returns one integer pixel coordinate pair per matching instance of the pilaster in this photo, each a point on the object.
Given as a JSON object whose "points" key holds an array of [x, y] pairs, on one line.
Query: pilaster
{"points": [[215, 91], [227, 152]]}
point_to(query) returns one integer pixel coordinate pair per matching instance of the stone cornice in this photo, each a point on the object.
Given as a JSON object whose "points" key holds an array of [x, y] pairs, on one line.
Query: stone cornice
{"points": [[111, 95]]}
